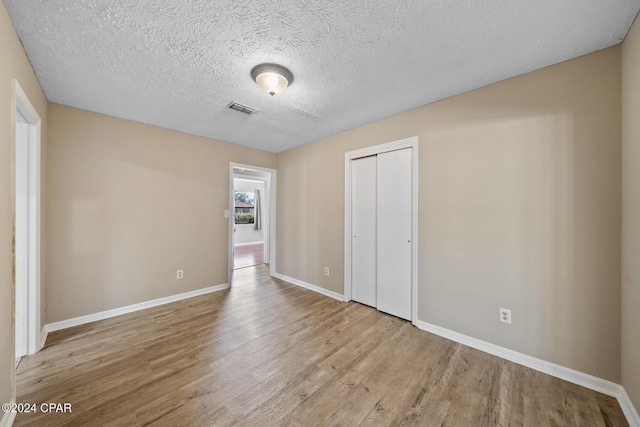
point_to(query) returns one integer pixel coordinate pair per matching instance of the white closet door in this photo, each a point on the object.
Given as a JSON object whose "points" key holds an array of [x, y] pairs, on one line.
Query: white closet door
{"points": [[394, 232], [363, 239]]}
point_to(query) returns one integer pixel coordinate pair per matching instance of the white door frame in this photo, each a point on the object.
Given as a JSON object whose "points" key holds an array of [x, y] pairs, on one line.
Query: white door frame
{"points": [[24, 110], [21, 236], [411, 142], [272, 215]]}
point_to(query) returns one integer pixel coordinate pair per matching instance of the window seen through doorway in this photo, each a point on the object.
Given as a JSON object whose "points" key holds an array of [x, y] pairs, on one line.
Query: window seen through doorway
{"points": [[244, 207]]}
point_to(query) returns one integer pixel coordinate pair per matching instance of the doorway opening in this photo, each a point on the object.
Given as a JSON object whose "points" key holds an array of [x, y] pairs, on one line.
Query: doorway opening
{"points": [[249, 233], [26, 225], [251, 217]]}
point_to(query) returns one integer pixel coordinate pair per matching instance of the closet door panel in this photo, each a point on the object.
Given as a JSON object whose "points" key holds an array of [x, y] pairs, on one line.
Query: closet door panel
{"points": [[363, 239], [394, 211]]}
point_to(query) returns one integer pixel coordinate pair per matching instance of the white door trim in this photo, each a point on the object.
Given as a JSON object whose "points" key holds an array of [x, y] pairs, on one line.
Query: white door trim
{"points": [[23, 107], [272, 184], [21, 240], [411, 142]]}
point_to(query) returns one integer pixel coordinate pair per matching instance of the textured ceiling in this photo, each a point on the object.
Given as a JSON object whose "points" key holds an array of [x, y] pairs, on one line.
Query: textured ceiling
{"points": [[177, 64]]}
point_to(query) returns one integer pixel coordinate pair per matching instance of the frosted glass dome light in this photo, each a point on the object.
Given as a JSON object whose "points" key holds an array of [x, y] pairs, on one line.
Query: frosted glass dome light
{"points": [[272, 78]]}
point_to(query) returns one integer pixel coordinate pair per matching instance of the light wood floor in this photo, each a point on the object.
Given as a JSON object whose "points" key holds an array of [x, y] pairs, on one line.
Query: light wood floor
{"points": [[268, 353], [248, 255]]}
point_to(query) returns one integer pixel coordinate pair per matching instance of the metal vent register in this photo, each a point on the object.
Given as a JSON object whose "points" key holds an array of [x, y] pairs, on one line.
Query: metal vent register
{"points": [[242, 108]]}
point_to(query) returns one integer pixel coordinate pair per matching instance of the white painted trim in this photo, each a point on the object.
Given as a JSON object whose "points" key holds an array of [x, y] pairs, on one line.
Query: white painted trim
{"points": [[64, 324], [347, 286], [8, 418], [22, 107], [309, 286], [273, 188], [43, 337], [23, 228], [247, 244], [628, 409], [598, 384], [35, 172], [232, 219], [383, 148], [411, 142], [247, 178]]}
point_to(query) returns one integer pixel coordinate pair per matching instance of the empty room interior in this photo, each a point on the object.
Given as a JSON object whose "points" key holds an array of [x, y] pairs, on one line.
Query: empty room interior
{"points": [[320, 213]]}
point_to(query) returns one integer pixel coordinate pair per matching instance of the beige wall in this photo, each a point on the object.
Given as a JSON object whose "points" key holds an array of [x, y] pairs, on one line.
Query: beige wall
{"points": [[129, 204], [13, 64], [519, 208], [631, 214]]}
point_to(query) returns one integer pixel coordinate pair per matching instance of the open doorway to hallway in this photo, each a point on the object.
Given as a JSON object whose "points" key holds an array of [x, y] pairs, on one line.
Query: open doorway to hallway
{"points": [[251, 216], [249, 229]]}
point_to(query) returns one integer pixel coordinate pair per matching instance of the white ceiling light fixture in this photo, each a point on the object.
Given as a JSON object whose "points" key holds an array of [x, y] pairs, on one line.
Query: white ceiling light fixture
{"points": [[272, 78]]}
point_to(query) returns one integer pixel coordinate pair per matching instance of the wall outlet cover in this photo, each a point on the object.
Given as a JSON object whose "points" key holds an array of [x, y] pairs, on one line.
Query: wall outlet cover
{"points": [[505, 315]]}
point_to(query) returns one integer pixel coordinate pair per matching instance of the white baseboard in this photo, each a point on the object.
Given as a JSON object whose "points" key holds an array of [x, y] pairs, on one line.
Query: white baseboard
{"points": [[8, 418], [309, 286], [43, 337], [64, 324], [571, 375], [629, 410], [598, 384]]}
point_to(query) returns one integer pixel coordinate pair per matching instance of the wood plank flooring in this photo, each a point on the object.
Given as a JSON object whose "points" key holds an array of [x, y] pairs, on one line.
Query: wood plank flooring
{"points": [[268, 353], [248, 255]]}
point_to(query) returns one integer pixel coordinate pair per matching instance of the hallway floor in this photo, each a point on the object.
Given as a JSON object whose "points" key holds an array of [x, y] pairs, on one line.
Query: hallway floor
{"points": [[248, 255]]}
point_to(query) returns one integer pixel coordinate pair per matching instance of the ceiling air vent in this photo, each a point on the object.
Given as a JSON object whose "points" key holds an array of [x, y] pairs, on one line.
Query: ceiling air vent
{"points": [[242, 108]]}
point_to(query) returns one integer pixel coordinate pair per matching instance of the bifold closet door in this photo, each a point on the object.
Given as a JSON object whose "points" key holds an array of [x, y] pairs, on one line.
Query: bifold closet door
{"points": [[394, 224], [363, 227]]}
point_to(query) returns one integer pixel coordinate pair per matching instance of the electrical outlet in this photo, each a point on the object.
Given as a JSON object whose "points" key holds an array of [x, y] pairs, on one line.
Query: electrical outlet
{"points": [[179, 274], [505, 315], [326, 271]]}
